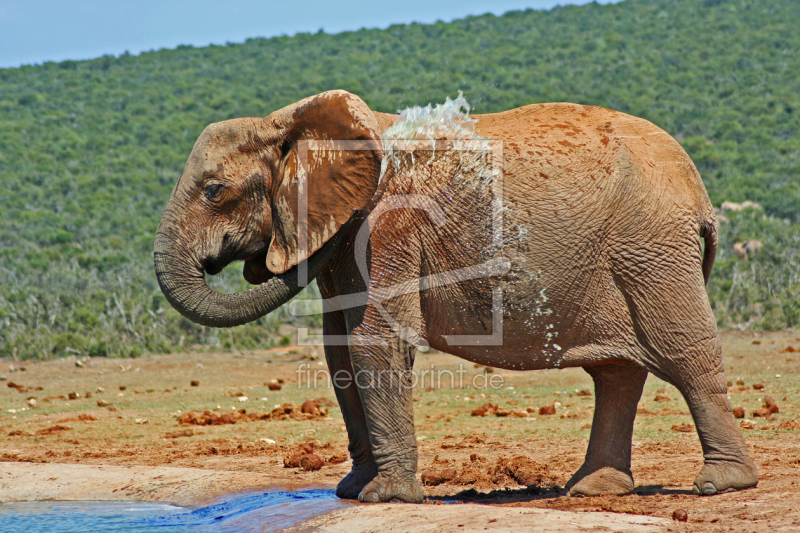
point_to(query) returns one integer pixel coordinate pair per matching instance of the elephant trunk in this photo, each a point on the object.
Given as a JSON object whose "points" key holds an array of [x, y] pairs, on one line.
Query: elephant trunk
{"points": [[181, 277]]}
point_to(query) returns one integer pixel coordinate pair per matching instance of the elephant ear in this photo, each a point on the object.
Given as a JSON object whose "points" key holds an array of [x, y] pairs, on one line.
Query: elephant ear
{"points": [[321, 180]]}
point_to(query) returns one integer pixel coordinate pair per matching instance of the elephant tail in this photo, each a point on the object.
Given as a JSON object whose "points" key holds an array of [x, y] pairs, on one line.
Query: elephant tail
{"points": [[708, 231]]}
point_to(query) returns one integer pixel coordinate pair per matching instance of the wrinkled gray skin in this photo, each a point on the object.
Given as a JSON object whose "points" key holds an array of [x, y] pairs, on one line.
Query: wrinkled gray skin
{"points": [[602, 220]]}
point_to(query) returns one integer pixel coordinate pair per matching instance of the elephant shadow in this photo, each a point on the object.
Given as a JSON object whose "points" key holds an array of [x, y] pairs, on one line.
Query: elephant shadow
{"points": [[533, 493]]}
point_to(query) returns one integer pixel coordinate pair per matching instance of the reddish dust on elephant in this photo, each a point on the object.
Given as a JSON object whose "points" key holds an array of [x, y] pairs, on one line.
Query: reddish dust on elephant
{"points": [[549, 236]]}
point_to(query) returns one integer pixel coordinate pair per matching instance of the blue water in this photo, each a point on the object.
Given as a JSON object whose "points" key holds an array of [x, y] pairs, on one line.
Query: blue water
{"points": [[269, 511]]}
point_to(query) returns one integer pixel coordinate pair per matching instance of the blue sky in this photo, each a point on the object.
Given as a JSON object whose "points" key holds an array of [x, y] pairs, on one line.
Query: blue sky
{"points": [[34, 31]]}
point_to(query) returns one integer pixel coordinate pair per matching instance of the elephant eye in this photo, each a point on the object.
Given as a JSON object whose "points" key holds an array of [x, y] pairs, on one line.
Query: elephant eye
{"points": [[213, 190]]}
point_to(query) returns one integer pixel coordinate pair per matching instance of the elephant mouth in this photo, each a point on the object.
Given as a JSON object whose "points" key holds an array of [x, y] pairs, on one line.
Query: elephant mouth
{"points": [[255, 270]]}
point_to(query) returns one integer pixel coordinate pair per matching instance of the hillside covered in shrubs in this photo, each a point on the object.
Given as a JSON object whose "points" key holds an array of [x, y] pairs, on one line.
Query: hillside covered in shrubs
{"points": [[90, 150]]}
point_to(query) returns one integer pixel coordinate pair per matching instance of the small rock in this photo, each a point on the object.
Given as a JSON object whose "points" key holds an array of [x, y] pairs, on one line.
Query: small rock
{"points": [[87, 395], [740, 382], [78, 364], [310, 407], [758, 386], [274, 386], [770, 405], [431, 478], [448, 474], [102, 403], [194, 383], [547, 410], [486, 409], [99, 390], [680, 515], [142, 421], [73, 396], [122, 387], [762, 412], [756, 342], [311, 462], [292, 460], [738, 412], [268, 441]]}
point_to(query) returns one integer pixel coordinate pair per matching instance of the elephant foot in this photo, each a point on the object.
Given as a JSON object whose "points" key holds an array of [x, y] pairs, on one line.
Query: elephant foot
{"points": [[722, 476], [606, 480], [389, 489], [353, 483]]}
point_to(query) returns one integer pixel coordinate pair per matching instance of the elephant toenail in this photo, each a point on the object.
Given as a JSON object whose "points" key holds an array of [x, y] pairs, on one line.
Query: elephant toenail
{"points": [[709, 488], [371, 497]]}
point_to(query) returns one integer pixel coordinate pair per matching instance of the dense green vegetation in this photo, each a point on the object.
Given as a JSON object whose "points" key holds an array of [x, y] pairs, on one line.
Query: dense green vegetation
{"points": [[90, 150]]}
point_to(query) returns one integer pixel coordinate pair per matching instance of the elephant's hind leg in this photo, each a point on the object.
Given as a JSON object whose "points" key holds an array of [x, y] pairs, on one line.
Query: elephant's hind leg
{"points": [[727, 466], [607, 467], [677, 336]]}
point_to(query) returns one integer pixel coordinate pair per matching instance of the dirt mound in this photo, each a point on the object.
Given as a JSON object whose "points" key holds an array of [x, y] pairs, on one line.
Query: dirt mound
{"points": [[22, 388], [791, 425], [310, 410], [479, 472], [306, 457], [179, 434], [492, 409], [53, 429], [80, 418]]}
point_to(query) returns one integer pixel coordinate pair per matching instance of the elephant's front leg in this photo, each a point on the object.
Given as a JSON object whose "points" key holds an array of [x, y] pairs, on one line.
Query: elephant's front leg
{"points": [[341, 371], [384, 381]]}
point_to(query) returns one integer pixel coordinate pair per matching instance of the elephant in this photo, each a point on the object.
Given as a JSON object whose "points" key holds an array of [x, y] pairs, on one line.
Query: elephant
{"points": [[549, 236]]}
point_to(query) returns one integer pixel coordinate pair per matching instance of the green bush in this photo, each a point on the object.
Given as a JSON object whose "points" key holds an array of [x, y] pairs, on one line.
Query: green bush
{"points": [[90, 150]]}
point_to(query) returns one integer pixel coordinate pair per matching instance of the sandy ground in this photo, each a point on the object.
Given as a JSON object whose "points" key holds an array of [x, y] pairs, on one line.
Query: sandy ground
{"points": [[138, 427], [178, 486]]}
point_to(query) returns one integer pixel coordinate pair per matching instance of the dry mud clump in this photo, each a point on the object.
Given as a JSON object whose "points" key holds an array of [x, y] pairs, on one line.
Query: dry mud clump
{"points": [[310, 410], [307, 457], [503, 472]]}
